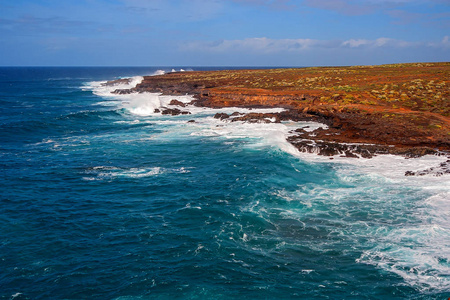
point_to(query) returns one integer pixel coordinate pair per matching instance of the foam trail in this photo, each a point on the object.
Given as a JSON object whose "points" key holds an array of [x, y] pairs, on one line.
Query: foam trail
{"points": [[111, 173], [418, 252], [418, 247]]}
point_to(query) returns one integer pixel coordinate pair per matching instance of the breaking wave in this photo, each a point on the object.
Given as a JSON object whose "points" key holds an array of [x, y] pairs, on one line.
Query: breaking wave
{"points": [[369, 201]]}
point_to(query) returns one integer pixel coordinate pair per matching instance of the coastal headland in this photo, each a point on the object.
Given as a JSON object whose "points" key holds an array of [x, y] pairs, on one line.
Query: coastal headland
{"points": [[397, 109]]}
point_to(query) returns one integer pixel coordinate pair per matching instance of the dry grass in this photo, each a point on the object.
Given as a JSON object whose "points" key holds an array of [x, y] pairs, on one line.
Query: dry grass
{"points": [[419, 86]]}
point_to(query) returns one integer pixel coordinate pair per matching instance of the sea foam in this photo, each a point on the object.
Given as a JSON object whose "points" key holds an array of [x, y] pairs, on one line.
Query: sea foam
{"points": [[419, 253], [423, 262], [140, 104], [110, 173]]}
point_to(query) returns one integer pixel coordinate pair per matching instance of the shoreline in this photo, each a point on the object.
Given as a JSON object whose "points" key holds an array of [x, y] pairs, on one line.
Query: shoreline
{"points": [[357, 125]]}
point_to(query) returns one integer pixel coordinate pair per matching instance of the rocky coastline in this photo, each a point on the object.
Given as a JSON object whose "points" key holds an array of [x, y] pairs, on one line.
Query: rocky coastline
{"points": [[356, 129]]}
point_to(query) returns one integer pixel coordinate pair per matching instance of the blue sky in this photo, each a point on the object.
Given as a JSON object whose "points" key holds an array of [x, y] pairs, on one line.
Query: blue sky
{"points": [[222, 32]]}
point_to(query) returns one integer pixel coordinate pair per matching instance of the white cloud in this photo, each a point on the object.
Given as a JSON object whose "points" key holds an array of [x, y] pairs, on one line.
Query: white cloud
{"points": [[444, 43], [355, 43], [380, 42], [259, 45], [265, 51], [267, 45]]}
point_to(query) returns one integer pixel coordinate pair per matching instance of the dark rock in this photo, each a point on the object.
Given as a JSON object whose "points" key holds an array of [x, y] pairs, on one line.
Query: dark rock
{"points": [[365, 153], [174, 112], [117, 82], [331, 148], [442, 169], [348, 153], [156, 111], [254, 118], [301, 130], [221, 116], [177, 103], [123, 91]]}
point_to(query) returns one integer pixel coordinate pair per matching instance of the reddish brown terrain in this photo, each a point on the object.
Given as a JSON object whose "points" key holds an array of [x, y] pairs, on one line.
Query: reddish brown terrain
{"points": [[399, 109]]}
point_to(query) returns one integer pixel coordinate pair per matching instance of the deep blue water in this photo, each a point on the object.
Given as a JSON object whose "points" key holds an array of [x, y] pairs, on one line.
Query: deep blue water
{"points": [[101, 202]]}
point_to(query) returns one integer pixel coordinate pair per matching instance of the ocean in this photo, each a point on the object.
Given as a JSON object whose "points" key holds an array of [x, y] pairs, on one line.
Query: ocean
{"points": [[101, 198]]}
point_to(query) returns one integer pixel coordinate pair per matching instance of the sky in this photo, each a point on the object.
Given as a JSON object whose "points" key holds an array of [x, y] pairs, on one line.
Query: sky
{"points": [[223, 32]]}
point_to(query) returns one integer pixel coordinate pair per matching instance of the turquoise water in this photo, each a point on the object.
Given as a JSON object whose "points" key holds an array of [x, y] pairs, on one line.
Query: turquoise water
{"points": [[102, 198]]}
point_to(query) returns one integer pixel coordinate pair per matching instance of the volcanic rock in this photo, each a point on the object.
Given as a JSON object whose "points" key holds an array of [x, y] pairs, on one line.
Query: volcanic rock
{"points": [[174, 112], [177, 103]]}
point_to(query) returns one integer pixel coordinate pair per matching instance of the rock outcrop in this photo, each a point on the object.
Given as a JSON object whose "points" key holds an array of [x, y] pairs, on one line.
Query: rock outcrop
{"points": [[369, 110]]}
